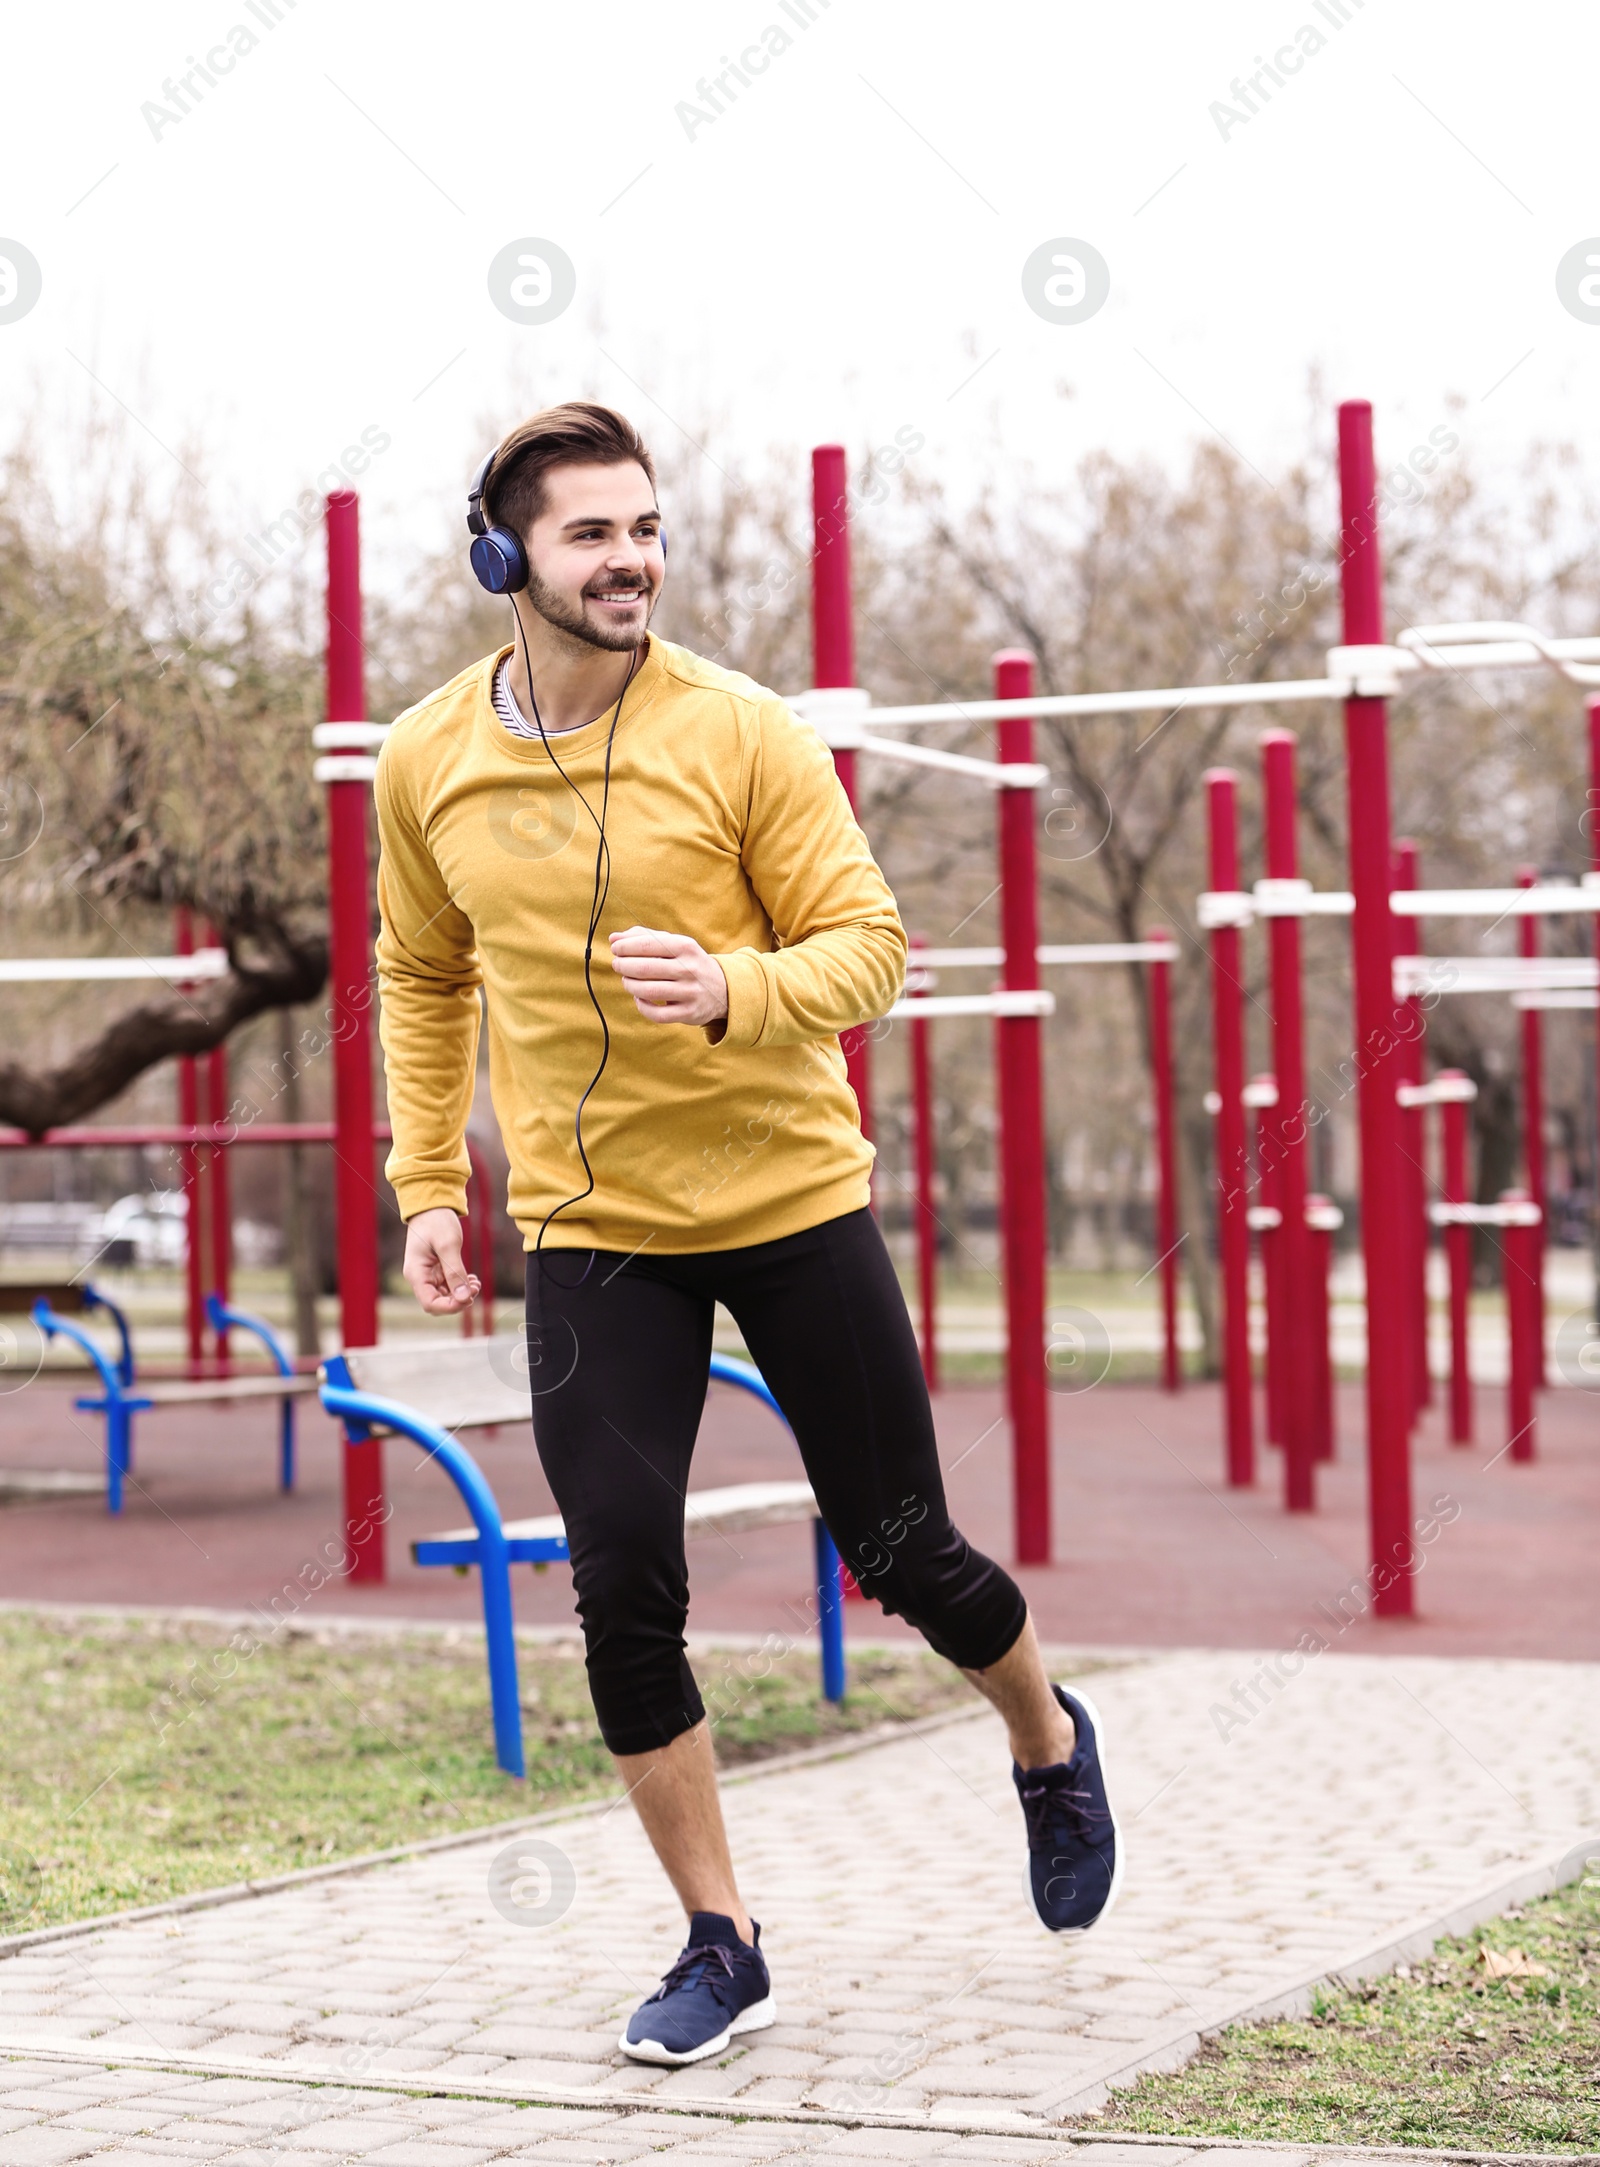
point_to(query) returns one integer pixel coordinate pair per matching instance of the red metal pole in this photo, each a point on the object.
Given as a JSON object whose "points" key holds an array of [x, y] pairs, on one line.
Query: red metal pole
{"points": [[350, 953], [1377, 1038], [1458, 1244], [1019, 1049], [1233, 1159], [1323, 1217], [833, 662], [220, 1215], [194, 1267], [1414, 1137], [923, 1155], [1517, 1250], [219, 1182], [1533, 1114], [1261, 1096], [1161, 1086], [1299, 1277]]}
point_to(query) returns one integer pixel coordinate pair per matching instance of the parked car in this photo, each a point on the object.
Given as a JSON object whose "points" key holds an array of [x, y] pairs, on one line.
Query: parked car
{"points": [[149, 1228]]}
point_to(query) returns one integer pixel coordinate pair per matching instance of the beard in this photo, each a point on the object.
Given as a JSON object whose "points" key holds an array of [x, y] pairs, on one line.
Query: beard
{"points": [[568, 617]]}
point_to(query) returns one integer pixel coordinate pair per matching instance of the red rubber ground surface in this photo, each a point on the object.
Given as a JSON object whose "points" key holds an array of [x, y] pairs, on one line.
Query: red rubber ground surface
{"points": [[1150, 1548]]}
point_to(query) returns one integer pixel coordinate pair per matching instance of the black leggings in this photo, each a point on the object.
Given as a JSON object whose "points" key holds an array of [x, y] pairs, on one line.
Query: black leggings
{"points": [[618, 1356]]}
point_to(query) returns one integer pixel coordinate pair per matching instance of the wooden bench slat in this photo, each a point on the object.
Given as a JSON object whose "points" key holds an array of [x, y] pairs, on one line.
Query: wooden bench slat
{"points": [[196, 1391], [17, 1297], [457, 1384], [705, 1512]]}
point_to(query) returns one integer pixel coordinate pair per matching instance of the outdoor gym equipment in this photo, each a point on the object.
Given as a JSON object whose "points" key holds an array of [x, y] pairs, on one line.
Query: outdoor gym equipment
{"points": [[429, 1393], [122, 1395]]}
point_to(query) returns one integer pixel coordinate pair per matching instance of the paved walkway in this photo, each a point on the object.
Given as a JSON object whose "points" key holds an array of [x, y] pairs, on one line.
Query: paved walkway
{"points": [[1364, 1803]]}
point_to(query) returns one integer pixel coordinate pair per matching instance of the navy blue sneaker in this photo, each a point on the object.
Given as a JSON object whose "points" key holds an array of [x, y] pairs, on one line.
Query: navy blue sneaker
{"points": [[718, 1986], [1074, 1867]]}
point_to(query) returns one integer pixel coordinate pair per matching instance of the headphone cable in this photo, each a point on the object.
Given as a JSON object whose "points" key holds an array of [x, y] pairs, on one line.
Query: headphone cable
{"points": [[597, 904]]}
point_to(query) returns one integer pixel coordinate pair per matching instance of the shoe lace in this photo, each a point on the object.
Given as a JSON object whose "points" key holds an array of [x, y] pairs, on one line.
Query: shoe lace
{"points": [[702, 1963], [1054, 1814]]}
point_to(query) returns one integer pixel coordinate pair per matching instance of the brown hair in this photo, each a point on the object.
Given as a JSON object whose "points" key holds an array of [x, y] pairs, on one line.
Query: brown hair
{"points": [[577, 433]]}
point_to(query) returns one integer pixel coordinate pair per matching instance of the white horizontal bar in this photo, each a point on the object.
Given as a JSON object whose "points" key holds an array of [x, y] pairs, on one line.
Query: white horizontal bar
{"points": [[1263, 1218], [1496, 902], [979, 959], [1497, 644], [1484, 1214], [1443, 1091], [1555, 1000], [847, 709], [1221, 907], [1492, 974], [348, 736], [344, 767], [998, 774], [1110, 952], [176, 970], [1022, 1002], [1177, 698], [1298, 899]]}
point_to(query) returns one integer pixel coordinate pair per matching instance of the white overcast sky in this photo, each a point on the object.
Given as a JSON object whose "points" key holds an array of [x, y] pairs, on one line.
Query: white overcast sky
{"points": [[304, 254]]}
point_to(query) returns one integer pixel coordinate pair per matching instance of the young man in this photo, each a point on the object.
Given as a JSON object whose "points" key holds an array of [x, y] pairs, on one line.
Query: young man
{"points": [[645, 870]]}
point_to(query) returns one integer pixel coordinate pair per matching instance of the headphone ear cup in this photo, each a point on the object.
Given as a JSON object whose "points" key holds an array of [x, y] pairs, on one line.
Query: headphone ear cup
{"points": [[498, 561]]}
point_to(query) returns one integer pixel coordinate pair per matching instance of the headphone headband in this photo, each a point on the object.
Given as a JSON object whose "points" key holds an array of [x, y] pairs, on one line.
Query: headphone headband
{"points": [[476, 523]]}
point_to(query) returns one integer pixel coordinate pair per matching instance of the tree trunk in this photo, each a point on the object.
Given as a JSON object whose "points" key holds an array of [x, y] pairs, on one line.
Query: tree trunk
{"points": [[298, 1247]]}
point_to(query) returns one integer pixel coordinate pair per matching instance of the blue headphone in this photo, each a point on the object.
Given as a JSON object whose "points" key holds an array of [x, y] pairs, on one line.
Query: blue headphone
{"points": [[498, 557]]}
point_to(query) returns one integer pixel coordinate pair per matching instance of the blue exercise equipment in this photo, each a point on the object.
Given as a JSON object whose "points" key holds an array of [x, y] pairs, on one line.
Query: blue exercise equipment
{"points": [[494, 1552], [121, 1396]]}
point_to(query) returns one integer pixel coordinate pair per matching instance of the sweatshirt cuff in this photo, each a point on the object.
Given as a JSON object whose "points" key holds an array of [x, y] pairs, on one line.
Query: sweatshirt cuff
{"points": [[430, 1192], [747, 999]]}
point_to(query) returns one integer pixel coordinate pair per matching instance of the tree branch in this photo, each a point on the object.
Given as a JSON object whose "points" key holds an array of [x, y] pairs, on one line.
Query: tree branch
{"points": [[294, 971]]}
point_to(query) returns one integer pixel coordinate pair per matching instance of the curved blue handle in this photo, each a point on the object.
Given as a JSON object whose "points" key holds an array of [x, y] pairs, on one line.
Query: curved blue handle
{"points": [[220, 1315], [53, 1326], [358, 1410], [94, 1299]]}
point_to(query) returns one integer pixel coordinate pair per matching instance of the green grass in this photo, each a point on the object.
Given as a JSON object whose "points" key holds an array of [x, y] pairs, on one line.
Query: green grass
{"points": [[1442, 2054], [145, 1759]]}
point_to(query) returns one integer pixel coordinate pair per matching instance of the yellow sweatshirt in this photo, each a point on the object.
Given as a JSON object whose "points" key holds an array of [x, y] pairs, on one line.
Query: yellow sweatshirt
{"points": [[728, 823]]}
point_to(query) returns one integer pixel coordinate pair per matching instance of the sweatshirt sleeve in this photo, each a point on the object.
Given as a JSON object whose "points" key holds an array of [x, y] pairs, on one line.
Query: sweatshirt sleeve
{"points": [[841, 949], [428, 985]]}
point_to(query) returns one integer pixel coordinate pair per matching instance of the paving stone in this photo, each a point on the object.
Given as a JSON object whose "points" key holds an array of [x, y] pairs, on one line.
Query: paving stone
{"points": [[609, 2145], [44, 2146], [430, 2152]]}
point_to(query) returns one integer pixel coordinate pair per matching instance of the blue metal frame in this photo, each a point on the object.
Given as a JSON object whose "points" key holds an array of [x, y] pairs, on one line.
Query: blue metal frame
{"points": [[118, 1401], [222, 1318], [489, 1550], [494, 1552]]}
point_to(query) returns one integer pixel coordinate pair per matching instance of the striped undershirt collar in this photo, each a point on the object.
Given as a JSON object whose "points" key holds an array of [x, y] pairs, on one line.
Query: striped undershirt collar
{"points": [[505, 705]]}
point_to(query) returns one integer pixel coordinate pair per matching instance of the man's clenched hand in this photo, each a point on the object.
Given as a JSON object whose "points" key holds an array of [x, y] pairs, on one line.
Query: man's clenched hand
{"points": [[670, 976]]}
